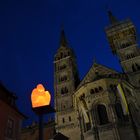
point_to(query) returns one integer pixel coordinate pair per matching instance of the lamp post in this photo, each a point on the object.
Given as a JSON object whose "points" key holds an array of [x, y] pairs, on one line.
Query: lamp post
{"points": [[41, 105]]}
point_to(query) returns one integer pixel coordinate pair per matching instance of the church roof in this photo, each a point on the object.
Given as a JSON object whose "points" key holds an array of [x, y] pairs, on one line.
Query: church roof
{"points": [[96, 71]]}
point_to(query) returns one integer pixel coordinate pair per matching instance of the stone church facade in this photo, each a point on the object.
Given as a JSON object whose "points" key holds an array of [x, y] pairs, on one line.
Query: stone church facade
{"points": [[93, 109]]}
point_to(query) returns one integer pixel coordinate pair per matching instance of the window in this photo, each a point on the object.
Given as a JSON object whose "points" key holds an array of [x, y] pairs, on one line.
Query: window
{"points": [[82, 96], [70, 118], [64, 90], [100, 88], [96, 90], [62, 67], [63, 120], [64, 78], [10, 128], [135, 67], [102, 114], [119, 111], [92, 91]]}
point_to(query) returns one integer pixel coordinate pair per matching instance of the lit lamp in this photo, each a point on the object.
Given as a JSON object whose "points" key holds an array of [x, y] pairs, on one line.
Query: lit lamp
{"points": [[41, 105]]}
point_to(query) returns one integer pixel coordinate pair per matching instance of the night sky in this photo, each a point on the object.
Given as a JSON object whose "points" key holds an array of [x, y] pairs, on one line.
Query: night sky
{"points": [[30, 34]]}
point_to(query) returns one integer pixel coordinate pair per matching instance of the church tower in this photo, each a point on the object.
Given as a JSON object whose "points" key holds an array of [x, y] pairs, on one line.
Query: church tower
{"points": [[66, 80], [122, 38]]}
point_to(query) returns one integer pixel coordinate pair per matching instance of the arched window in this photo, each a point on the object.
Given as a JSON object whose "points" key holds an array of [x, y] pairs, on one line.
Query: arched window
{"points": [[100, 88], [63, 120], [137, 66], [133, 68], [119, 111], [96, 90], [62, 91], [70, 118], [102, 114], [64, 78], [92, 91]]}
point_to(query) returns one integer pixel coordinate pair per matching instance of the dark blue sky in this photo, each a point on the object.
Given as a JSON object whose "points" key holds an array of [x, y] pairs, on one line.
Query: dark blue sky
{"points": [[30, 33]]}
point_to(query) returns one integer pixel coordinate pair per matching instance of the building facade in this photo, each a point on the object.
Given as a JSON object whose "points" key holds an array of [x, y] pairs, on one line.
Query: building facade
{"points": [[66, 80], [10, 117], [32, 132], [104, 105]]}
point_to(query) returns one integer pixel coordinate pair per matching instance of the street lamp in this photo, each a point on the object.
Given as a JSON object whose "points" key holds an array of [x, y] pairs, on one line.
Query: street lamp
{"points": [[41, 105]]}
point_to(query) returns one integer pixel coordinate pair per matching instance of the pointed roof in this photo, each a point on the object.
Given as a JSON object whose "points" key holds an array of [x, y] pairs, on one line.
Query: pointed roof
{"points": [[112, 18], [63, 40], [96, 70]]}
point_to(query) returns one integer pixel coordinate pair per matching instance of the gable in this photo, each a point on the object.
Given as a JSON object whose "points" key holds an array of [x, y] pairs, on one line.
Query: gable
{"points": [[95, 71]]}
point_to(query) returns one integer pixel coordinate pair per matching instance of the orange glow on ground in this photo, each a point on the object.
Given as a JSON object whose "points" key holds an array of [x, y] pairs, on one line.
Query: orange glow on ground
{"points": [[40, 97]]}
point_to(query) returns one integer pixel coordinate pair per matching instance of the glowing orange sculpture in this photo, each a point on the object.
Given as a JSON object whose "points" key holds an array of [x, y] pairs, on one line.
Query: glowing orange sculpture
{"points": [[40, 97]]}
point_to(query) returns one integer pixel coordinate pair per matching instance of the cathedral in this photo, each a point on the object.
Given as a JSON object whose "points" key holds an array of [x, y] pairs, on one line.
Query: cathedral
{"points": [[105, 104]]}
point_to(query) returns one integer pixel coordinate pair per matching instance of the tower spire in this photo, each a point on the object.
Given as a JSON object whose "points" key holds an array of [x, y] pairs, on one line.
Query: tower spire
{"points": [[112, 18], [63, 40]]}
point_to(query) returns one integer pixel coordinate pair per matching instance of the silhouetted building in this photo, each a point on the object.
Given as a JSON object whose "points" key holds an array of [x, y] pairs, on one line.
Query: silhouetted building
{"points": [[59, 136], [32, 132], [10, 117], [97, 107]]}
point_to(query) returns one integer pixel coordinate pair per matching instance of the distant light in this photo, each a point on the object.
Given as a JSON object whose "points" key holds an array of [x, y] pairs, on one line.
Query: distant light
{"points": [[40, 97]]}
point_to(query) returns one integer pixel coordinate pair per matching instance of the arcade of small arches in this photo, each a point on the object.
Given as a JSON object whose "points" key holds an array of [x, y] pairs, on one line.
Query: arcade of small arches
{"points": [[96, 90]]}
